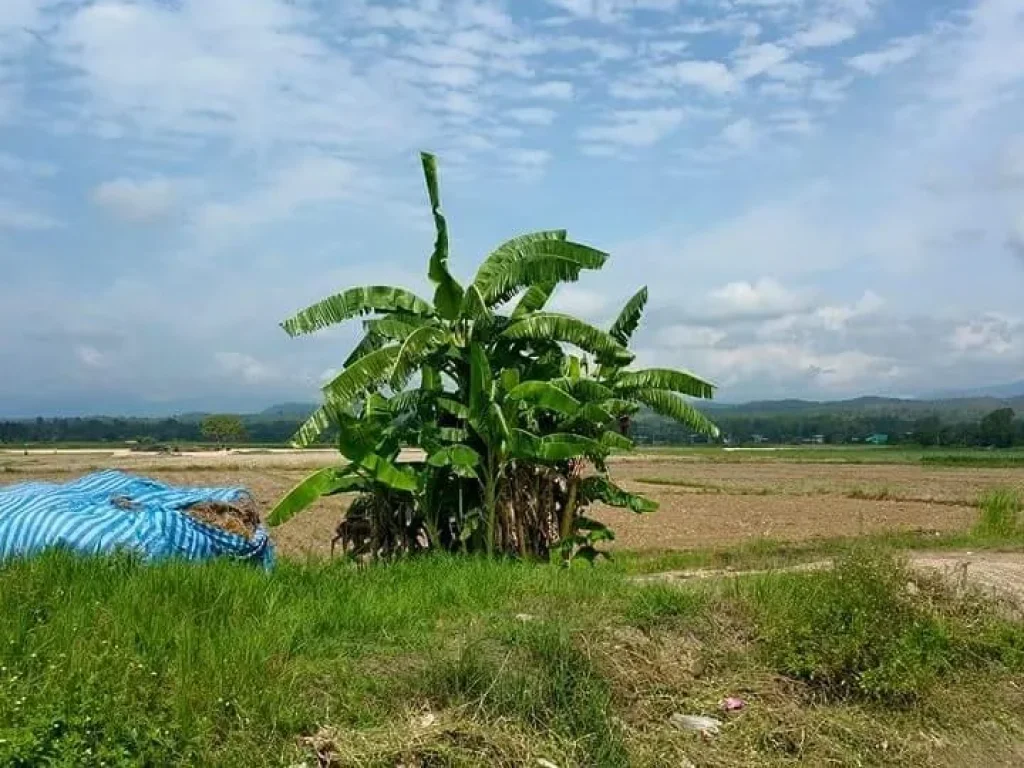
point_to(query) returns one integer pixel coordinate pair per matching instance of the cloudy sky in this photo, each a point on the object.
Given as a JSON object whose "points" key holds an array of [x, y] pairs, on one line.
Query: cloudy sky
{"points": [[826, 197]]}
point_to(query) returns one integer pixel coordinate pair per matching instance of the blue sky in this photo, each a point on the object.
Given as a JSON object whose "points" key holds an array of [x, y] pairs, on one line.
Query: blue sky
{"points": [[826, 197]]}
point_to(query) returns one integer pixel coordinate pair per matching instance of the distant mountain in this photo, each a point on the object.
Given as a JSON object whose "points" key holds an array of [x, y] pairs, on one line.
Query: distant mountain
{"points": [[1010, 391], [287, 411], [948, 409]]}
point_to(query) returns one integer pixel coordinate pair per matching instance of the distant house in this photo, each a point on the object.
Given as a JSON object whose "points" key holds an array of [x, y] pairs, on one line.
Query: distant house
{"points": [[877, 439]]}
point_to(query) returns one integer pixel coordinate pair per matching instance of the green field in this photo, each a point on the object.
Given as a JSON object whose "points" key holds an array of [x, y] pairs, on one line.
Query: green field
{"points": [[475, 662], [846, 454]]}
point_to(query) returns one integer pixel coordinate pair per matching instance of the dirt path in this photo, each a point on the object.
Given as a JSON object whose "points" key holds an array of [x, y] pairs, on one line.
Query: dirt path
{"points": [[998, 573]]}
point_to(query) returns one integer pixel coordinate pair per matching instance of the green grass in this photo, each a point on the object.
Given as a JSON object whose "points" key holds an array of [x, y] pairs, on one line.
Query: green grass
{"points": [[856, 631], [844, 454], [469, 662], [1004, 458], [1000, 515], [220, 663]]}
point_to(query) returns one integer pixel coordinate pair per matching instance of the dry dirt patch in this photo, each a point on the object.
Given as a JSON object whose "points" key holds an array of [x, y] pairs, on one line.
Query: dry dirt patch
{"points": [[686, 521], [731, 515]]}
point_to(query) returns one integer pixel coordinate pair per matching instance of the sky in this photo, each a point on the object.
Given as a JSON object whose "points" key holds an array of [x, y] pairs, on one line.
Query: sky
{"points": [[825, 197]]}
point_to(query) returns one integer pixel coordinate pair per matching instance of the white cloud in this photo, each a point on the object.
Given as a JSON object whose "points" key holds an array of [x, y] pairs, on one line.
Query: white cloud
{"points": [[795, 121], [137, 201], [276, 124], [244, 367], [978, 66], [824, 33], [898, 51], [245, 70], [90, 356], [639, 88], [689, 336], [527, 164], [602, 150], [792, 72], [603, 49], [740, 134], [21, 165], [574, 300], [13, 215], [990, 335], [754, 60], [558, 90], [532, 115], [830, 317], [786, 235], [611, 11], [667, 48], [712, 76], [635, 128], [311, 180], [766, 297]]}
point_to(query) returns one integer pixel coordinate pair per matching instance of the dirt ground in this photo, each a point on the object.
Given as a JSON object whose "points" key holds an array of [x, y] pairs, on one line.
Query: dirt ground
{"points": [[710, 504]]}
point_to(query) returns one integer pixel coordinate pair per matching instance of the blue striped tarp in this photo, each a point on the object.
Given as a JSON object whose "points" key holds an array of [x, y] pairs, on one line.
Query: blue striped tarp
{"points": [[89, 516]]}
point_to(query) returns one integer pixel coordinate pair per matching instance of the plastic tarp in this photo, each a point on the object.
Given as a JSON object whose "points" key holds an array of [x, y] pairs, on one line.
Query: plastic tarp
{"points": [[109, 511]]}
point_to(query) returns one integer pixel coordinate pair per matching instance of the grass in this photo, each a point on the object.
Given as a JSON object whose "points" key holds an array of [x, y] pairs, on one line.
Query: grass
{"points": [[1003, 458], [856, 631], [844, 454], [470, 662], [1000, 515]]}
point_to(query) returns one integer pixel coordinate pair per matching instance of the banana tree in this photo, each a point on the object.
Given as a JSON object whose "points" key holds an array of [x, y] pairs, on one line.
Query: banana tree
{"points": [[508, 396]]}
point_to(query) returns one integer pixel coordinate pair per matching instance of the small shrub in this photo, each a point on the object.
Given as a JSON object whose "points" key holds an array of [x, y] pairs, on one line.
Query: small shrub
{"points": [[852, 631], [1000, 514]]}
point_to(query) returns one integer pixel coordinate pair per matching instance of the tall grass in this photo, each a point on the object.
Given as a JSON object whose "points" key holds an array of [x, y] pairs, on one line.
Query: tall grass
{"points": [[170, 663], [1000, 514], [110, 662]]}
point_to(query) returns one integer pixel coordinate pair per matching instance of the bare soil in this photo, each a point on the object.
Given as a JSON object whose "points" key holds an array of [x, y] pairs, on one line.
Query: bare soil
{"points": [[722, 504]]}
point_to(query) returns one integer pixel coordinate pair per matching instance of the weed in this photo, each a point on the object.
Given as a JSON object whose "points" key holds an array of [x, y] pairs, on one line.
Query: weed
{"points": [[661, 606], [534, 672], [1000, 514], [856, 631]]}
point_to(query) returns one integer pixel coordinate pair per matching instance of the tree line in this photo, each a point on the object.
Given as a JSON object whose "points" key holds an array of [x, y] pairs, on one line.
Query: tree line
{"points": [[223, 429], [1000, 428]]}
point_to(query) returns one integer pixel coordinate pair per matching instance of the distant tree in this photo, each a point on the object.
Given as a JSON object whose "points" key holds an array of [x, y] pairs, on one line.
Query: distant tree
{"points": [[997, 428], [927, 431], [223, 429]]}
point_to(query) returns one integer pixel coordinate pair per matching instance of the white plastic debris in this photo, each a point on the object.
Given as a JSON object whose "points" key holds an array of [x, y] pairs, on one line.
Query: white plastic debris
{"points": [[707, 726]]}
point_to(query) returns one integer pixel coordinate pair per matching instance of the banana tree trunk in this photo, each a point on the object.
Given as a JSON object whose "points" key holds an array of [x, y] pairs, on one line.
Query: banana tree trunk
{"points": [[569, 512]]}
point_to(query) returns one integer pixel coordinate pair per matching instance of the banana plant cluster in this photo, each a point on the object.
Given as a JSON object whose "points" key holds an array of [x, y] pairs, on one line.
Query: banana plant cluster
{"points": [[515, 408]]}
